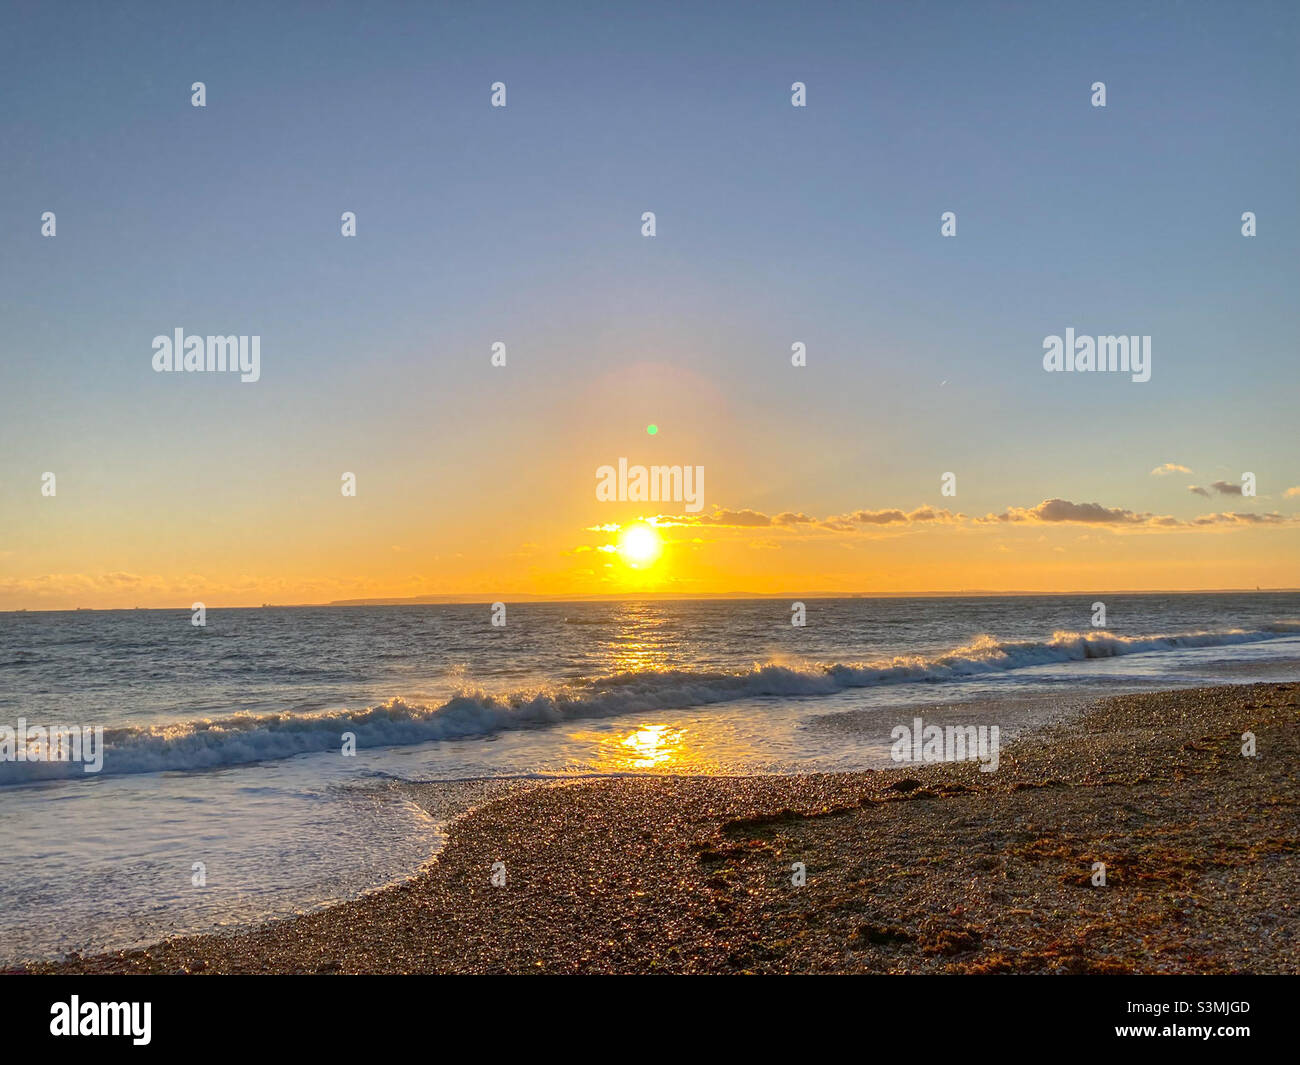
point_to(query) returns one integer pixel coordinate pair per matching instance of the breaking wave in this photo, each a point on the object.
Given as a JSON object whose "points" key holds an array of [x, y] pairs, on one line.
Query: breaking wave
{"points": [[244, 738]]}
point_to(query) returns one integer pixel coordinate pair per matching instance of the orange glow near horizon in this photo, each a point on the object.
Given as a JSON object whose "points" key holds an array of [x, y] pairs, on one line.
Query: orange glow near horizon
{"points": [[556, 542], [636, 558]]}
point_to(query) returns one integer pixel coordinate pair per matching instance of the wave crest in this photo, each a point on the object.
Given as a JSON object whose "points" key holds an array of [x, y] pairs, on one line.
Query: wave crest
{"points": [[245, 738]]}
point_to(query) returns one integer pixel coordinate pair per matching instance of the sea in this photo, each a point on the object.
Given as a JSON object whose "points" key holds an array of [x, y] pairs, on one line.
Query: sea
{"points": [[258, 765]]}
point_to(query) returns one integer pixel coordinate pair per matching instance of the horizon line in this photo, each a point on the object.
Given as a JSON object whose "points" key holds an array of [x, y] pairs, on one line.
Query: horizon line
{"points": [[608, 597]]}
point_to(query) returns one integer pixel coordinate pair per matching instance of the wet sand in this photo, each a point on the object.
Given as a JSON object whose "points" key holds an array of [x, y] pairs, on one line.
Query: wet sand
{"points": [[934, 868]]}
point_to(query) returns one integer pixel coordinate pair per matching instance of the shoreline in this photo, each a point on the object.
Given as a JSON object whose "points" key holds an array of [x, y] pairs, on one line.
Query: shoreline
{"points": [[937, 868]]}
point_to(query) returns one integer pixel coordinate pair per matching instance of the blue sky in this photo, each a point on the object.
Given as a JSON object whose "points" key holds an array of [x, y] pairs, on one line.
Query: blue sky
{"points": [[775, 224]]}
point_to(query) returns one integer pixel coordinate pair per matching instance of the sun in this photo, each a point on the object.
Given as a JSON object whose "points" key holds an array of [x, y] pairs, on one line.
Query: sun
{"points": [[639, 545]]}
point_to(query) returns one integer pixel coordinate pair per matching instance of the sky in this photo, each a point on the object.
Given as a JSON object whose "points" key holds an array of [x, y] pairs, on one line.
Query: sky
{"points": [[522, 224]]}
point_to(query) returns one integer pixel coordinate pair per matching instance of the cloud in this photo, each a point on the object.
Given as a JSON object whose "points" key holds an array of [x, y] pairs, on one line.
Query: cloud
{"points": [[1291, 493], [930, 514], [1226, 488], [56, 584], [1242, 519], [1048, 512], [118, 589], [874, 517], [753, 519], [1168, 468], [1052, 511], [1199, 490], [787, 518], [1062, 510], [892, 516], [739, 519]]}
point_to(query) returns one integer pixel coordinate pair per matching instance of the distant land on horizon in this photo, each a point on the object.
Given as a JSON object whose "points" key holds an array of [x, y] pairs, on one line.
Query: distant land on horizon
{"points": [[965, 593]]}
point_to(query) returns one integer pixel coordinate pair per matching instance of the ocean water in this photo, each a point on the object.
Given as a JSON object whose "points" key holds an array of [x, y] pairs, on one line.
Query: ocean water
{"points": [[223, 744]]}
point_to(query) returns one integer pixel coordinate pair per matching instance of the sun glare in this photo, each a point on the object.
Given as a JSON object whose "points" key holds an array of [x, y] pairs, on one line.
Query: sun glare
{"points": [[639, 545]]}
